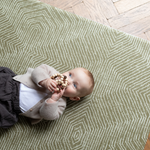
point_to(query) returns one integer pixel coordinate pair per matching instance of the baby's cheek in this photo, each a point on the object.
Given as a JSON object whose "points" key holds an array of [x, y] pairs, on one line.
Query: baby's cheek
{"points": [[69, 90], [66, 91]]}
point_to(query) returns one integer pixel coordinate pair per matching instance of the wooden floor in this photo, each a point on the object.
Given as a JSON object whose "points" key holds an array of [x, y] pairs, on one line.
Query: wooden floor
{"points": [[131, 16]]}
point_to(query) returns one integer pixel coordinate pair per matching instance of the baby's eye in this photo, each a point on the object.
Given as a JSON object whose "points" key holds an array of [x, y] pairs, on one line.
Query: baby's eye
{"points": [[70, 74], [75, 85]]}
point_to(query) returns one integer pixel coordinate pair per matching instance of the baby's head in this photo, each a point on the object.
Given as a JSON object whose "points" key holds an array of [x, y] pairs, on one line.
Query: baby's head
{"points": [[80, 83]]}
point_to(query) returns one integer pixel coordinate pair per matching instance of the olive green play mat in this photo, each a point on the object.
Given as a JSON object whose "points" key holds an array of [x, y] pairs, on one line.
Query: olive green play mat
{"points": [[116, 116]]}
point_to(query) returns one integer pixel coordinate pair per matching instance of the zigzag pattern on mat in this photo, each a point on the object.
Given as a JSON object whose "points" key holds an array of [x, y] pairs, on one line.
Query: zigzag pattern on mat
{"points": [[116, 115]]}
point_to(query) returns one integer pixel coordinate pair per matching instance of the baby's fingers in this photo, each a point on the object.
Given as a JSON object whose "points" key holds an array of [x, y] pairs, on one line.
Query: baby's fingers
{"points": [[62, 91], [54, 83], [51, 88]]}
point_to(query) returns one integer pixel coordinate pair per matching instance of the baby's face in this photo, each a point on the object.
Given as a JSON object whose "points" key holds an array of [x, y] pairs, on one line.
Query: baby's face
{"points": [[78, 83]]}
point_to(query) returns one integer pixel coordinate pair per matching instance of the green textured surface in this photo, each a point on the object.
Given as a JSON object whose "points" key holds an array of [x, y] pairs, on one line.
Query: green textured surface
{"points": [[115, 116]]}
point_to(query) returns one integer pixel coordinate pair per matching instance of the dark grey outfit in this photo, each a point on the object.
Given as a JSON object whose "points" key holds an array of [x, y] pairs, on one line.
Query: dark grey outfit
{"points": [[9, 98]]}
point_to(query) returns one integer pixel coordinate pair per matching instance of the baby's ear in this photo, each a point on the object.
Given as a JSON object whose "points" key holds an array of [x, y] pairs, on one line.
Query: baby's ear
{"points": [[74, 98]]}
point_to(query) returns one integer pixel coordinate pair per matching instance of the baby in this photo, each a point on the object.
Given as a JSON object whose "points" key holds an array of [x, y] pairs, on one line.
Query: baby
{"points": [[36, 96]]}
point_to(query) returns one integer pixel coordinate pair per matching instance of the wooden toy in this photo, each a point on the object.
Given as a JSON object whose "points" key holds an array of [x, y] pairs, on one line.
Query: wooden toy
{"points": [[61, 80]]}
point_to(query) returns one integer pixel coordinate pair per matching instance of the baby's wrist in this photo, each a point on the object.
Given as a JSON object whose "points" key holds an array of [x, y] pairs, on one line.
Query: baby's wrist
{"points": [[43, 83], [40, 84], [50, 100]]}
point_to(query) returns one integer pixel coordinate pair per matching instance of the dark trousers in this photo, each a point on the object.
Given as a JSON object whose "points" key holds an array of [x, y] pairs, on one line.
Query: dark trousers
{"points": [[9, 98]]}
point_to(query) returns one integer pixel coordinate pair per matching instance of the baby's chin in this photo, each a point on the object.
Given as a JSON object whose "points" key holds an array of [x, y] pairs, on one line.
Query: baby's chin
{"points": [[66, 94]]}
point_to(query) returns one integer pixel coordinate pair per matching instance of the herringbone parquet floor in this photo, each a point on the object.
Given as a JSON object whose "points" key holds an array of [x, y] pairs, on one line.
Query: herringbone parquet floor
{"points": [[129, 16]]}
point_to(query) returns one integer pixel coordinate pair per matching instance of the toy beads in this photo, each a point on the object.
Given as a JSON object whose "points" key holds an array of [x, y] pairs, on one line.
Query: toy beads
{"points": [[61, 80]]}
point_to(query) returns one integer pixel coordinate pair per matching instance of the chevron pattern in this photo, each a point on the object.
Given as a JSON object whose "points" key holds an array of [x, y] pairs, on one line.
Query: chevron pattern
{"points": [[115, 116]]}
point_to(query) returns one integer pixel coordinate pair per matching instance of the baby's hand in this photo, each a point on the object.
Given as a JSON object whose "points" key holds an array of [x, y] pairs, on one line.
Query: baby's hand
{"points": [[49, 84], [57, 95]]}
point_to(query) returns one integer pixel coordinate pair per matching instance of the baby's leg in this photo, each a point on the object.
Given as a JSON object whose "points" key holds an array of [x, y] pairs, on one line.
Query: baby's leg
{"points": [[9, 98], [7, 119]]}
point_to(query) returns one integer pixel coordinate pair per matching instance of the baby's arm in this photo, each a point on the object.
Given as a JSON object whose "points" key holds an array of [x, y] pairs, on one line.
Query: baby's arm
{"points": [[41, 73], [41, 76], [52, 111]]}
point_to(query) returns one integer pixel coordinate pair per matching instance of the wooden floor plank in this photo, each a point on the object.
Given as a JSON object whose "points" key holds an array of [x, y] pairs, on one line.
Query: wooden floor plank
{"points": [[147, 146], [107, 8], [130, 16], [142, 35], [95, 11], [115, 0], [138, 27], [81, 10], [125, 5], [148, 35], [69, 9]]}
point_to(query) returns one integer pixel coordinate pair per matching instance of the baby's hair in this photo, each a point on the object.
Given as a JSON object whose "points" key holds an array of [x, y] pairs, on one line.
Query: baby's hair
{"points": [[90, 75]]}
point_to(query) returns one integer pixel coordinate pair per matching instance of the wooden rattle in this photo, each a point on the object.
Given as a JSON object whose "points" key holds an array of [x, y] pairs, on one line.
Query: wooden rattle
{"points": [[61, 81]]}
